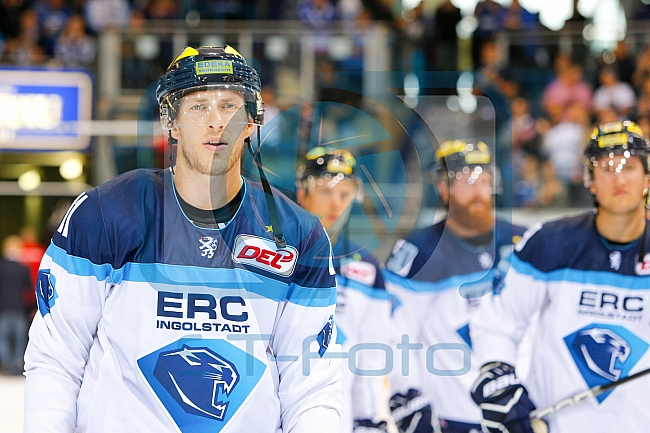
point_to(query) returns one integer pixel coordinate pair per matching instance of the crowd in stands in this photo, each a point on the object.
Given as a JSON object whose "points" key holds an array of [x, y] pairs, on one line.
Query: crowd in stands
{"points": [[549, 126]]}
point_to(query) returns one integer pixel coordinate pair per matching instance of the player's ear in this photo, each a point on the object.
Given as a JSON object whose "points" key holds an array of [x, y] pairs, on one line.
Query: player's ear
{"points": [[592, 188], [248, 130], [174, 130], [300, 197], [443, 190]]}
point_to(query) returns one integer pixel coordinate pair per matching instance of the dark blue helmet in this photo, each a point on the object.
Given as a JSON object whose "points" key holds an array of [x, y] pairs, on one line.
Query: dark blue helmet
{"points": [[617, 138], [201, 68]]}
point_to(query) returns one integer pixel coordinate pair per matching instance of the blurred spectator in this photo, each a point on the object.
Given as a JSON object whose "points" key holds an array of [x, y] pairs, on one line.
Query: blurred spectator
{"points": [[318, 14], [14, 280], [445, 41], [491, 16], [25, 50], [31, 254], [492, 67], [613, 93], [271, 134], [349, 9], [643, 102], [608, 115], [528, 183], [642, 70], [535, 182], [567, 88], [221, 9], [10, 12], [419, 29], [523, 50], [524, 127], [161, 10], [74, 48], [270, 108], [622, 62], [105, 14], [537, 185], [563, 144], [52, 18]]}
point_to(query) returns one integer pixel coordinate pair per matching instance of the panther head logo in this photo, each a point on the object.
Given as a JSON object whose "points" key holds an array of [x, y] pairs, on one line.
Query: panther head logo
{"points": [[601, 348], [45, 291], [198, 379]]}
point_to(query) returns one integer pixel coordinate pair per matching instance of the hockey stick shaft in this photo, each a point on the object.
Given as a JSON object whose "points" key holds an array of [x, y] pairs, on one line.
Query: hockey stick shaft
{"points": [[591, 392]]}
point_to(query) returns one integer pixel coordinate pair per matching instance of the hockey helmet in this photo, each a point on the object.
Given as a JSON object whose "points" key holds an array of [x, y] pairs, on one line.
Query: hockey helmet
{"points": [[196, 69], [456, 158], [617, 138], [327, 165]]}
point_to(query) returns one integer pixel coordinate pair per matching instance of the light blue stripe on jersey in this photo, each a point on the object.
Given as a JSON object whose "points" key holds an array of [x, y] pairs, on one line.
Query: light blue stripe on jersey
{"points": [[453, 282], [600, 278], [218, 278], [370, 292], [77, 265]]}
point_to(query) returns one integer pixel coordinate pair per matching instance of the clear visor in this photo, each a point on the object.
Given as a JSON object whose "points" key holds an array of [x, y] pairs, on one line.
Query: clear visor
{"points": [[476, 175], [218, 105], [618, 163]]}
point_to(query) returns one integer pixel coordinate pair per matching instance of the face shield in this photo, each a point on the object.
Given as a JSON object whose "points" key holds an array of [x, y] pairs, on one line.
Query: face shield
{"points": [[462, 163], [219, 104], [610, 149]]}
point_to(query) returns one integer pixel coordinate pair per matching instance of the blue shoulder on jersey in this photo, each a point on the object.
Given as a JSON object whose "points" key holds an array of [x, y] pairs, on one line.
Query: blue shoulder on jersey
{"points": [[135, 220], [573, 245], [442, 255]]}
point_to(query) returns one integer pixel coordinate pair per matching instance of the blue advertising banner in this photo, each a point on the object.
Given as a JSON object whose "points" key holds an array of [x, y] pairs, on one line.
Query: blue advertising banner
{"points": [[42, 110]]}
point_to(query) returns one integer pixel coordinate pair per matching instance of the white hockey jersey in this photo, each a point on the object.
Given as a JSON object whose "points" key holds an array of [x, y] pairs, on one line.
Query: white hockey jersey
{"points": [[594, 302], [438, 280], [363, 309], [149, 323]]}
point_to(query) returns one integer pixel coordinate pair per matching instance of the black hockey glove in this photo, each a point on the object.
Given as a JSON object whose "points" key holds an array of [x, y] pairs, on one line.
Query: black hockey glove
{"points": [[411, 412], [367, 426], [503, 400]]}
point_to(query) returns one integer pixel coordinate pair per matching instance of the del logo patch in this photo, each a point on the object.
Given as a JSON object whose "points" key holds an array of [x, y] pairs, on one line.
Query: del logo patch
{"points": [[201, 383], [362, 272], [264, 254], [643, 268], [604, 353]]}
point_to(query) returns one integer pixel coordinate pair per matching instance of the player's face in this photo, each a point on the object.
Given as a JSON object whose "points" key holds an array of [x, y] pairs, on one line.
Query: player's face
{"points": [[618, 184], [210, 127], [470, 203], [328, 202]]}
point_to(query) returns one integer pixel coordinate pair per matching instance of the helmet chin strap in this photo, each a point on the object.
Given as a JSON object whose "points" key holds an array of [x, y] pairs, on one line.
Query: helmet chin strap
{"points": [[646, 210], [172, 142], [276, 227]]}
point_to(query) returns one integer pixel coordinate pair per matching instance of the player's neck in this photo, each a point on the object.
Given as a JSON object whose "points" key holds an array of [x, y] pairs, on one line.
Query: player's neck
{"points": [[621, 228], [463, 231], [193, 187]]}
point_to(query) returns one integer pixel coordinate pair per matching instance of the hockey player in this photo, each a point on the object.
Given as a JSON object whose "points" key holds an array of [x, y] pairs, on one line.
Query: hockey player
{"points": [[169, 299], [588, 276], [326, 186], [439, 275]]}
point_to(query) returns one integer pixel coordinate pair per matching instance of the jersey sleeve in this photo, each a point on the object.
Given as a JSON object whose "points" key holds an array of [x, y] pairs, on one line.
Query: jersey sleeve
{"points": [[367, 315], [309, 373], [499, 324], [71, 288], [407, 317]]}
